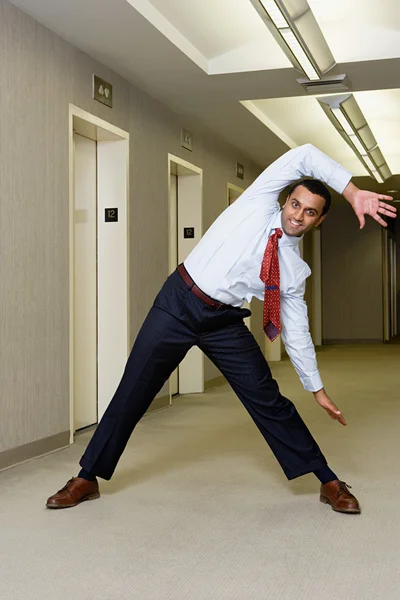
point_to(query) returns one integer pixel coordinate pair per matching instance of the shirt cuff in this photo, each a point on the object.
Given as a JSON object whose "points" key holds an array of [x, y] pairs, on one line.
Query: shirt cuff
{"points": [[339, 180], [312, 383]]}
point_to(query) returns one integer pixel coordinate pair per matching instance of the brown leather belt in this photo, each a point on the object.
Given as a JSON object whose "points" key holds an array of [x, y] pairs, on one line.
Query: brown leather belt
{"points": [[197, 291]]}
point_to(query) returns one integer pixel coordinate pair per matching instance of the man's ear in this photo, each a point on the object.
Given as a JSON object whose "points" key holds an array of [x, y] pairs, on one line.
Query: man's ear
{"points": [[318, 223]]}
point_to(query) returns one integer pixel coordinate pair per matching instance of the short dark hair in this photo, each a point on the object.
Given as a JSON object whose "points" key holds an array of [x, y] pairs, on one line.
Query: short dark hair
{"points": [[315, 187]]}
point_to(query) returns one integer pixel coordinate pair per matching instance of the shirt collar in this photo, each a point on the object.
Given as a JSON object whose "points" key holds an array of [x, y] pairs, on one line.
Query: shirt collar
{"points": [[286, 240]]}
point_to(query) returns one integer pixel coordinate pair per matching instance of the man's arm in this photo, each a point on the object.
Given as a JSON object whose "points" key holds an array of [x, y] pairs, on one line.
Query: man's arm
{"points": [[300, 348], [308, 161], [304, 161]]}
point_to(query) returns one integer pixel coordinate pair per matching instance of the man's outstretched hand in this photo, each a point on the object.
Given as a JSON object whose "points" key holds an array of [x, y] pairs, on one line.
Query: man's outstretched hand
{"points": [[369, 203], [323, 400]]}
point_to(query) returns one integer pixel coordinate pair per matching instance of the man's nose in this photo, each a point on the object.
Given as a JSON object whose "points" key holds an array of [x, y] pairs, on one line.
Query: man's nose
{"points": [[299, 216]]}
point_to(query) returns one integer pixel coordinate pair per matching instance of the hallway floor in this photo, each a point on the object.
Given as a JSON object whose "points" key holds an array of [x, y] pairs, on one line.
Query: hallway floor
{"points": [[200, 510]]}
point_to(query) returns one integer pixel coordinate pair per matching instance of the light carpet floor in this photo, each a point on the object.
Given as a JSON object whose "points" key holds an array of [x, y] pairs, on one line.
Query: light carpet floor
{"points": [[200, 510]]}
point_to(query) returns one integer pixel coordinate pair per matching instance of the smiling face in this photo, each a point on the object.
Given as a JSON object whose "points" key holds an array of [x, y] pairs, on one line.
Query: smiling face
{"points": [[302, 212]]}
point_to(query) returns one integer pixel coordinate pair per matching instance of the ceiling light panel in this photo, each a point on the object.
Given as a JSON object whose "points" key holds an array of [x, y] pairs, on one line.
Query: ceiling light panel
{"points": [[353, 112], [347, 117], [385, 171], [378, 176], [343, 121], [369, 163], [377, 157], [275, 14], [293, 25], [299, 53], [367, 137], [356, 142]]}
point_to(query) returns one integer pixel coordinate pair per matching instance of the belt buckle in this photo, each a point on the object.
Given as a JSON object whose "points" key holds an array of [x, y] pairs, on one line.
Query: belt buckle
{"points": [[218, 305]]}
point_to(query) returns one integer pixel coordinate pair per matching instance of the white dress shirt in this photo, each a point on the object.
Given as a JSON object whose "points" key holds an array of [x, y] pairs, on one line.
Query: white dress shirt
{"points": [[226, 263]]}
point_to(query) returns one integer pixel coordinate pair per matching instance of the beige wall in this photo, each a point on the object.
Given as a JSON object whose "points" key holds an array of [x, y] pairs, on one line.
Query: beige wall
{"points": [[352, 307], [40, 75]]}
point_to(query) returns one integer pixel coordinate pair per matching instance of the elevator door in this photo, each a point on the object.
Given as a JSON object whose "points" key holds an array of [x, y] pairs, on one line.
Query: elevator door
{"points": [[174, 379], [85, 282]]}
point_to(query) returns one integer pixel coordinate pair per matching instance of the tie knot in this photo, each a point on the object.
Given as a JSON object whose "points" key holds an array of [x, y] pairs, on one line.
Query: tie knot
{"points": [[279, 232]]}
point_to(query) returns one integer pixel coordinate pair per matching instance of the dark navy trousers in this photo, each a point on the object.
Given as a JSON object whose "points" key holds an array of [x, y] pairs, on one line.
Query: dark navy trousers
{"points": [[177, 321]]}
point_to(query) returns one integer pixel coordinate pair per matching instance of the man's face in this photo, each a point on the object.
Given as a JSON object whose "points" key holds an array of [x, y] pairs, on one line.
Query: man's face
{"points": [[302, 211]]}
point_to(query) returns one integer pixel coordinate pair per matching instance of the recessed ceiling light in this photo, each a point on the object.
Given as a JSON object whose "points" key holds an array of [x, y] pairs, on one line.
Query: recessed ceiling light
{"points": [[347, 118], [375, 173], [296, 30]]}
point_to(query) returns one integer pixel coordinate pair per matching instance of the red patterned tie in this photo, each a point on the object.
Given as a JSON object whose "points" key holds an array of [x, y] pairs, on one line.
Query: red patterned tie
{"points": [[270, 276]]}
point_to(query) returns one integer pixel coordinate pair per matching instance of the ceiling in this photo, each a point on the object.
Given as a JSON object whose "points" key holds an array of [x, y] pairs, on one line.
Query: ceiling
{"points": [[209, 59], [359, 30], [301, 120]]}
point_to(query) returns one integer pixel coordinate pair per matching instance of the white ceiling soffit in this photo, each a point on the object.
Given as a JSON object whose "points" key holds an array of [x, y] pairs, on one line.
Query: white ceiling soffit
{"points": [[229, 36], [301, 120], [220, 36], [359, 30]]}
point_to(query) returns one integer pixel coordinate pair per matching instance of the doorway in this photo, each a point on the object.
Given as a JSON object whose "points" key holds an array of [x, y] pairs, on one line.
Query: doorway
{"points": [[98, 259], [389, 285], [185, 185], [233, 193]]}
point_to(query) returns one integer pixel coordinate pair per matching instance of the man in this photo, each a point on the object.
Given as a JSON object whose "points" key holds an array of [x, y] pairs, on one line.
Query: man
{"points": [[252, 249]]}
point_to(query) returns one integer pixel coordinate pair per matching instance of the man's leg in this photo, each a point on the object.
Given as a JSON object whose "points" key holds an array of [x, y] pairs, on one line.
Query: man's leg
{"points": [[236, 353], [160, 346]]}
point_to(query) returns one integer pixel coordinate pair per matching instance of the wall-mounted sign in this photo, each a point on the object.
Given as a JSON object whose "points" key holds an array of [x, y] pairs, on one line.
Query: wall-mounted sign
{"points": [[111, 214], [102, 91], [239, 171], [186, 139], [188, 232]]}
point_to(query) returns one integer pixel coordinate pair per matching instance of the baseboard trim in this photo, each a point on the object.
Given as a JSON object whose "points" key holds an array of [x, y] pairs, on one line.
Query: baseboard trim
{"points": [[27, 452], [213, 383], [158, 403], [350, 342]]}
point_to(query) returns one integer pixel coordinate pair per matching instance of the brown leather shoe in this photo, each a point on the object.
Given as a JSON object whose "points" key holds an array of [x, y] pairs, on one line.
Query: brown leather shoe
{"points": [[336, 493], [75, 491]]}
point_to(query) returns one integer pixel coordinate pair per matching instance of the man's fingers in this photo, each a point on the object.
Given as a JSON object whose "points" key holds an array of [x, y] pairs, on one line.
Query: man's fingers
{"points": [[386, 209], [361, 218], [388, 206], [337, 416], [383, 197], [379, 220]]}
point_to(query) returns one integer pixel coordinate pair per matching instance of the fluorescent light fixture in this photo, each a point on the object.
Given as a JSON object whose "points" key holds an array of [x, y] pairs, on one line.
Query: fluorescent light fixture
{"points": [[369, 163], [385, 171], [275, 13], [296, 30], [347, 117], [378, 176], [295, 47], [343, 121], [356, 142]]}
